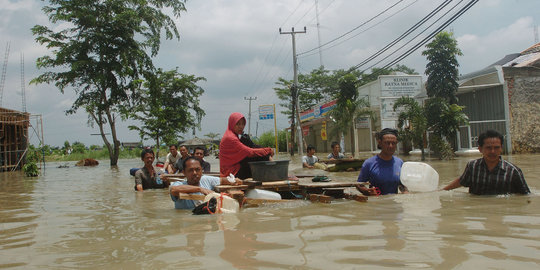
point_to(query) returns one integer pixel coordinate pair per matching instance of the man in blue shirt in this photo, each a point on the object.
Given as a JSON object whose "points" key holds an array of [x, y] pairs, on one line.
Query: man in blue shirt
{"points": [[383, 170], [195, 183]]}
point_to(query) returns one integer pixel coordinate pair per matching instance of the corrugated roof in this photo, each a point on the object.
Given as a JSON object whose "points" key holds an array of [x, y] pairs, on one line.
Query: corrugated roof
{"points": [[528, 57], [533, 49]]}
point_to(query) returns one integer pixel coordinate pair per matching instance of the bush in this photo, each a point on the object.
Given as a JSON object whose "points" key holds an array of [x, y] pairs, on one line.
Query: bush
{"points": [[441, 147], [268, 139], [30, 169]]}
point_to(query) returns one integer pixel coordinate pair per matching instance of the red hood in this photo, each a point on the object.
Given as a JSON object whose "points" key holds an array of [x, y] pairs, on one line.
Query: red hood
{"points": [[233, 119]]}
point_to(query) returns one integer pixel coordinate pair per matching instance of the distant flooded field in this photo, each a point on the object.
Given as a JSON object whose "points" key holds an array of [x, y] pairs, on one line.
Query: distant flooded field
{"points": [[91, 217]]}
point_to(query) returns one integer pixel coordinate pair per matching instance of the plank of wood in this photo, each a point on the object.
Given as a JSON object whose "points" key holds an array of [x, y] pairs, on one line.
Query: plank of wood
{"points": [[199, 197], [226, 188], [356, 197], [280, 183], [185, 196], [343, 160], [305, 176], [327, 184], [251, 182], [320, 198]]}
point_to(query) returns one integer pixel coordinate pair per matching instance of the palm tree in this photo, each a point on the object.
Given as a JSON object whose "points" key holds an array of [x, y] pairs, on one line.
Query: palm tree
{"points": [[444, 120], [348, 107], [412, 122]]}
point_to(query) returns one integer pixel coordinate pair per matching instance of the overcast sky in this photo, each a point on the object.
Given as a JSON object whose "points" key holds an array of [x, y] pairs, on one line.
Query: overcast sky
{"points": [[236, 45]]}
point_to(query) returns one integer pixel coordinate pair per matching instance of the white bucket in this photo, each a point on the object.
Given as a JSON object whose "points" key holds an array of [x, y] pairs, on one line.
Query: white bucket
{"points": [[419, 177], [262, 194], [225, 204]]}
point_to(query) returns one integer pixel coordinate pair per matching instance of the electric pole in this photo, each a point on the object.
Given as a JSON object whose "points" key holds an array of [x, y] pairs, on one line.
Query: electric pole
{"points": [[249, 113], [318, 31], [294, 93]]}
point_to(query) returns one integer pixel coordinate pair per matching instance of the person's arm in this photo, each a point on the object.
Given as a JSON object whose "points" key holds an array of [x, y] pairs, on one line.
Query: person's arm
{"points": [[305, 163], [519, 185], [251, 152], [365, 190], [225, 181], [453, 184], [166, 165], [138, 180], [176, 190]]}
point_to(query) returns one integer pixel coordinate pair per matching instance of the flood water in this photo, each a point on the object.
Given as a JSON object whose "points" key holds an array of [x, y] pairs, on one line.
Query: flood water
{"points": [[92, 218]]}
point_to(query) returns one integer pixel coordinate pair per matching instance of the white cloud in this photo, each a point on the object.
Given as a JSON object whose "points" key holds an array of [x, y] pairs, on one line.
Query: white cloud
{"points": [[236, 45]]}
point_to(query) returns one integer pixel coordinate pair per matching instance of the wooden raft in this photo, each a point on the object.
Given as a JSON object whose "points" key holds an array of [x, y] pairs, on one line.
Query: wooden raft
{"points": [[316, 192], [323, 192]]}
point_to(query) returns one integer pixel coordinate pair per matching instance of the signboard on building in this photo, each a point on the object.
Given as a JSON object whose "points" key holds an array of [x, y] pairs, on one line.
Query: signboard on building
{"points": [[317, 111], [361, 122], [305, 130], [387, 109], [398, 86], [323, 131], [266, 112]]}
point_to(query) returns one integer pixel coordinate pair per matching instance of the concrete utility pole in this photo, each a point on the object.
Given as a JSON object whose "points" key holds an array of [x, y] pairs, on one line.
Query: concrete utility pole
{"points": [[249, 113], [295, 85], [318, 31]]}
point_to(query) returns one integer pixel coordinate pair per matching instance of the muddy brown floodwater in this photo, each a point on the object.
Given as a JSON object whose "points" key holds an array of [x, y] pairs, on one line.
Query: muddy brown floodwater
{"points": [[92, 218]]}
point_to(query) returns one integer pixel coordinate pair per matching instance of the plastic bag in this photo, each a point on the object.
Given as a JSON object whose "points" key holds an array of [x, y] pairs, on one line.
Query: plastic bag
{"points": [[206, 208]]}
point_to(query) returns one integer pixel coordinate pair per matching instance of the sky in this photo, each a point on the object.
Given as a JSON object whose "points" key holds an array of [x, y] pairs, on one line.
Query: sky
{"points": [[237, 47]]}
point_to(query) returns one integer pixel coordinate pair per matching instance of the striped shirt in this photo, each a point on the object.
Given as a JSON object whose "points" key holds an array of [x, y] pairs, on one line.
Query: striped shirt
{"points": [[505, 178]]}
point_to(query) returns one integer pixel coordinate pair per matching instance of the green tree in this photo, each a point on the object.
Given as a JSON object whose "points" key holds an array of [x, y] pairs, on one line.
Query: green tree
{"points": [[444, 120], [169, 106], [442, 67], [103, 50], [348, 107], [78, 147], [412, 122], [212, 135], [268, 139]]}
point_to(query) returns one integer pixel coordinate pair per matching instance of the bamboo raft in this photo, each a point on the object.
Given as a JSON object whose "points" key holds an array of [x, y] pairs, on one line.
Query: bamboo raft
{"points": [[290, 190]]}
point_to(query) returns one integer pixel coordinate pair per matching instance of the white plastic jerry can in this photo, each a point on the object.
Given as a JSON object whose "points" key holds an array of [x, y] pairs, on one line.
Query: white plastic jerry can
{"points": [[419, 177]]}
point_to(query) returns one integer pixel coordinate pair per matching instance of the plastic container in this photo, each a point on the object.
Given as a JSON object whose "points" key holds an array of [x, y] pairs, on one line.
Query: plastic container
{"points": [[262, 194], [266, 171], [419, 177], [225, 204]]}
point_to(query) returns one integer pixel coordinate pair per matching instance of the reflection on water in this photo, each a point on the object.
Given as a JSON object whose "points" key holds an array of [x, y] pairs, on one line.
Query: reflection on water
{"points": [[92, 218]]}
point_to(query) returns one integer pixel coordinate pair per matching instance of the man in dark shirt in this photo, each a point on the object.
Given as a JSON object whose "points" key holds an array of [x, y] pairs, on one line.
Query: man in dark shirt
{"points": [[491, 175], [147, 177], [199, 153]]}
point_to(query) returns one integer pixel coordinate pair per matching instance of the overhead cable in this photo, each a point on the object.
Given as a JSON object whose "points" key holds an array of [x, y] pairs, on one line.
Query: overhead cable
{"points": [[348, 32]]}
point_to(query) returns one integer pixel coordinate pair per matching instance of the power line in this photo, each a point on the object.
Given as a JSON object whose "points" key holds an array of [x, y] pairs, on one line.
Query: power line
{"points": [[255, 83], [434, 33], [363, 31], [350, 31], [405, 34]]}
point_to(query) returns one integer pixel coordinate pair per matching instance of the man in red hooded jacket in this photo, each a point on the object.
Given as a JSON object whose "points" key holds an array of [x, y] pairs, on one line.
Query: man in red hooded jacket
{"points": [[235, 155]]}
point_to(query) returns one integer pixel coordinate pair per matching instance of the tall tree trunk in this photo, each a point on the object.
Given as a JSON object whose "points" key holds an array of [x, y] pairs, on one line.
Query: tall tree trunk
{"points": [[157, 151], [99, 120], [116, 143]]}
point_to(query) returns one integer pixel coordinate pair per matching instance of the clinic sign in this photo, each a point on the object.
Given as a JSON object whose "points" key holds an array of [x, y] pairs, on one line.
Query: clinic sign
{"points": [[392, 88], [399, 86]]}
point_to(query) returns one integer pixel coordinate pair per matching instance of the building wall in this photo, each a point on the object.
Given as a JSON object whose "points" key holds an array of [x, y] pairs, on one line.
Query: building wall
{"points": [[524, 97]]}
